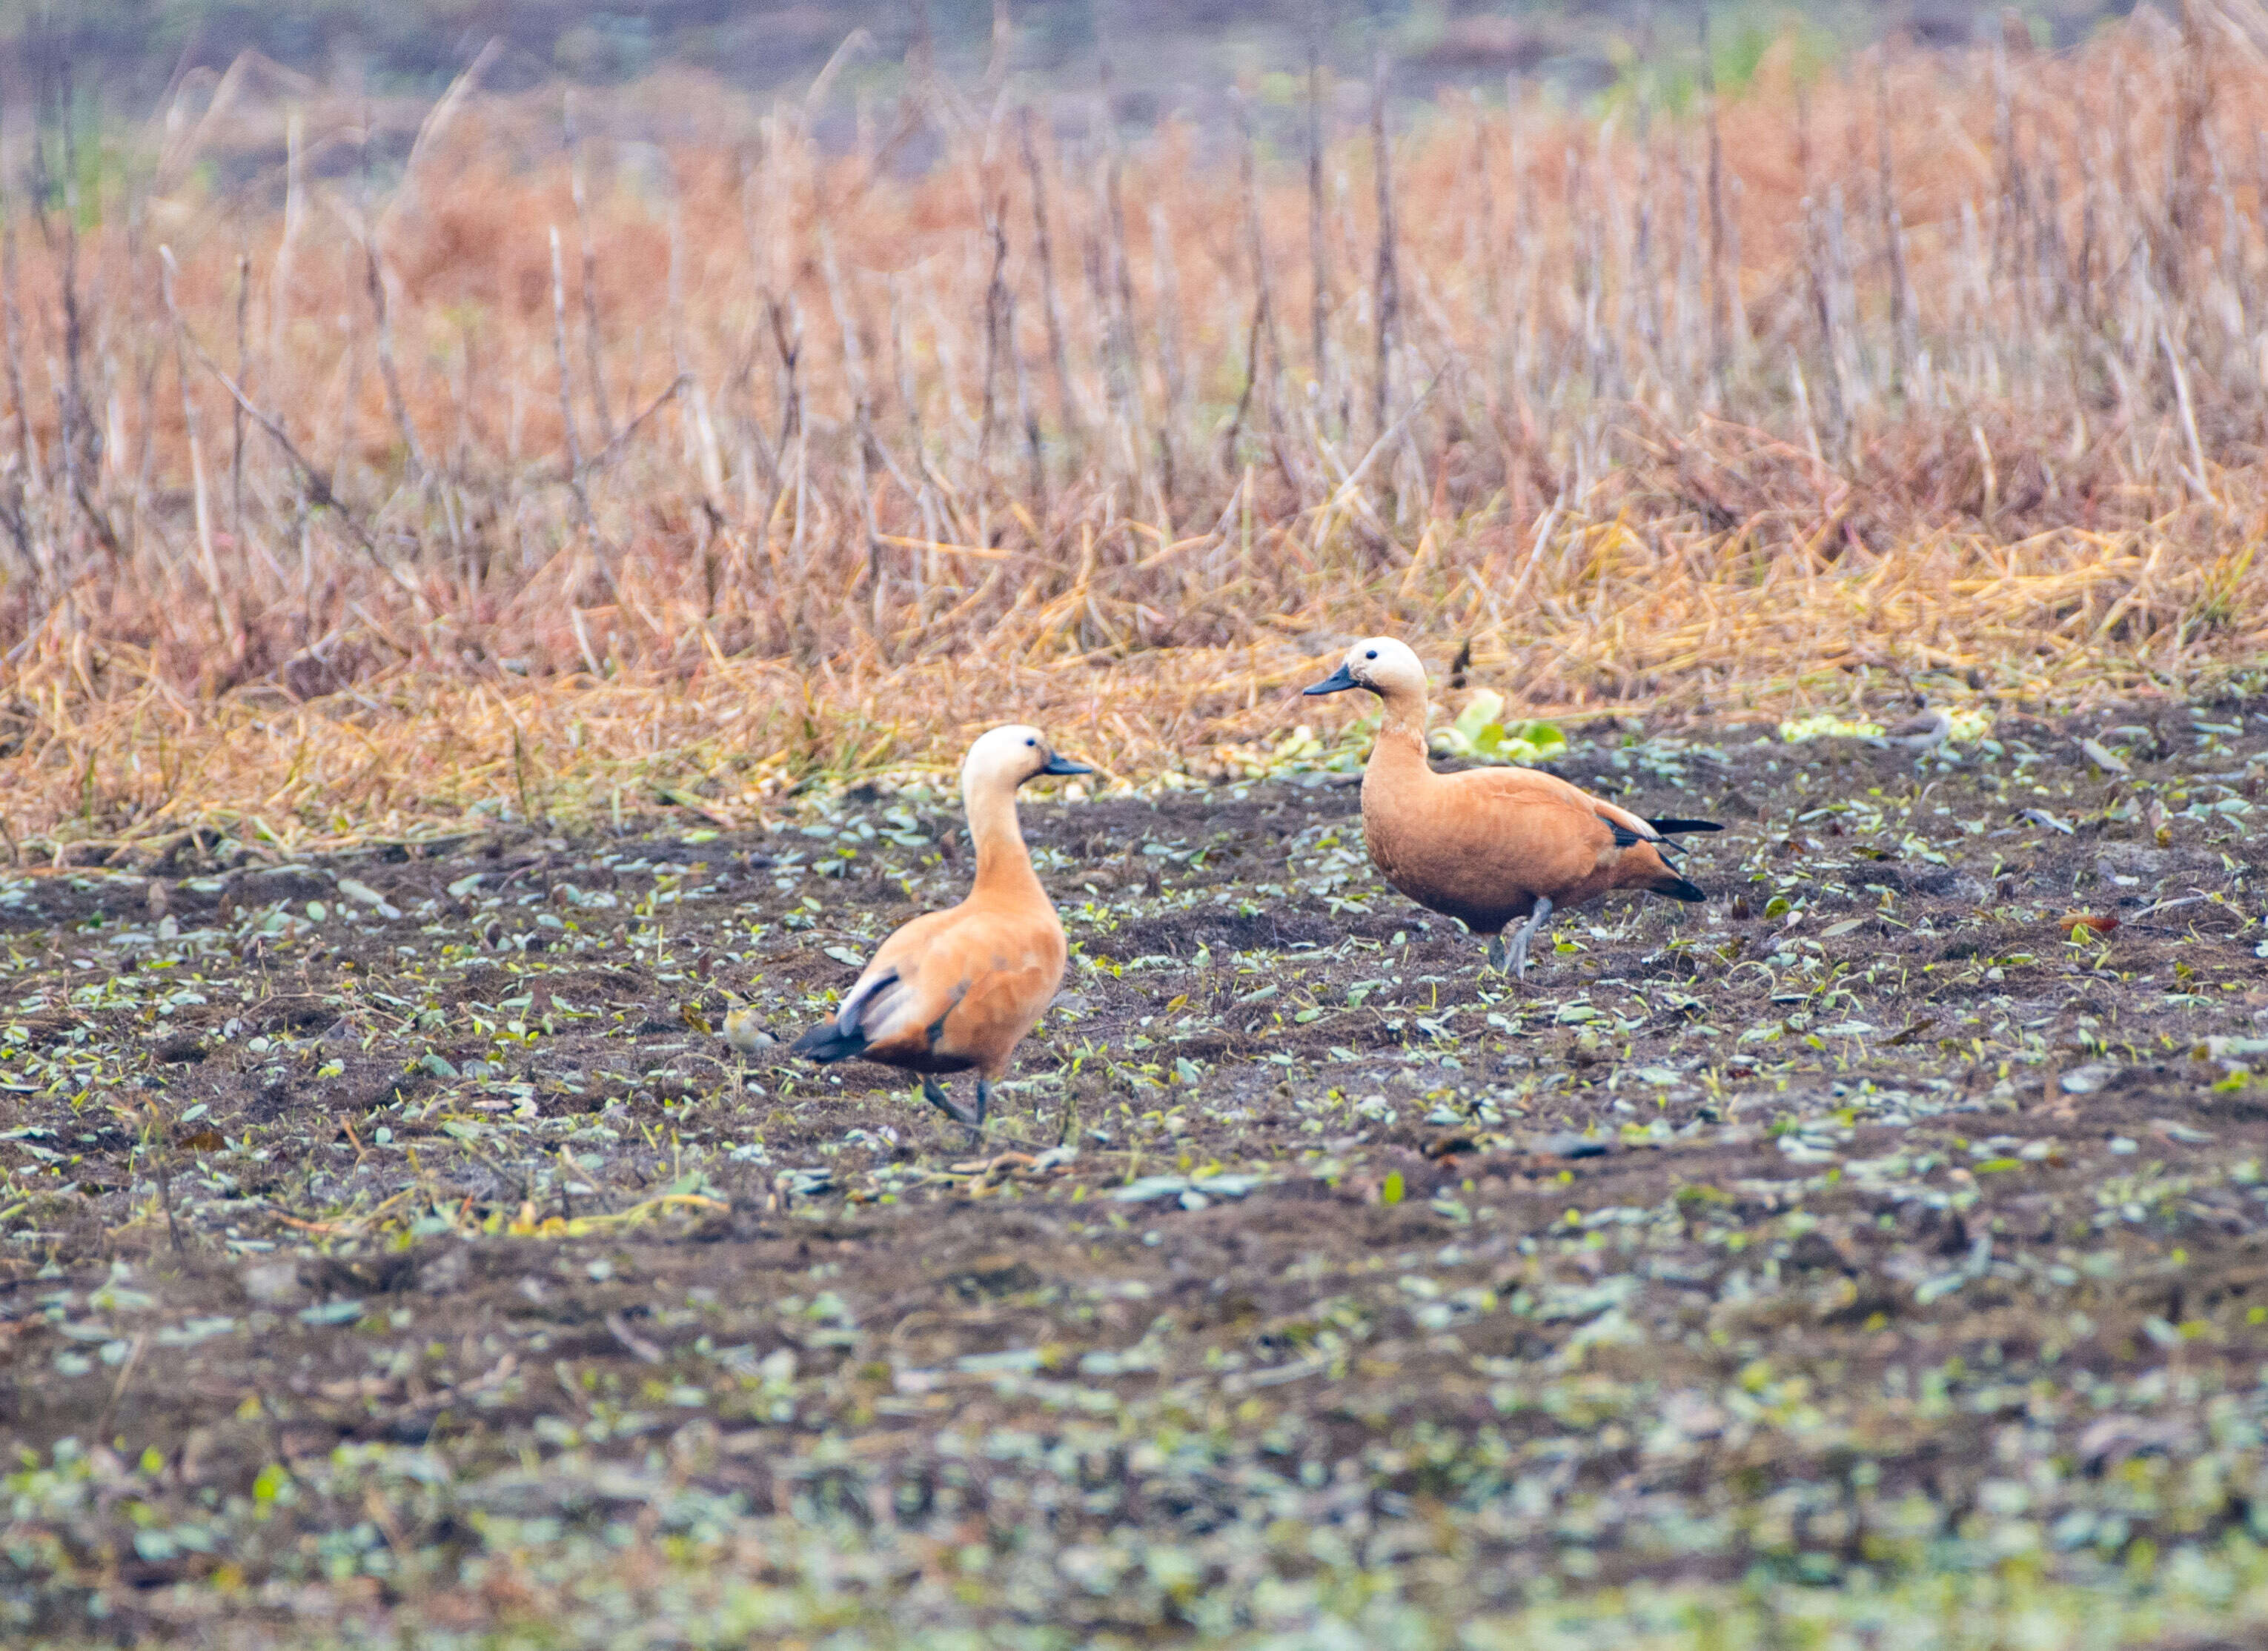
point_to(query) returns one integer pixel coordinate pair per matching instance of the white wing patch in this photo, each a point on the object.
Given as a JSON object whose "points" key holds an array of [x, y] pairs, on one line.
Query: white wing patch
{"points": [[877, 992], [1621, 816]]}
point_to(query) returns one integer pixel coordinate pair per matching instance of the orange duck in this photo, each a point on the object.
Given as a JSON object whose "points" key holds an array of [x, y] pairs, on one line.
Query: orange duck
{"points": [[1490, 845], [955, 991]]}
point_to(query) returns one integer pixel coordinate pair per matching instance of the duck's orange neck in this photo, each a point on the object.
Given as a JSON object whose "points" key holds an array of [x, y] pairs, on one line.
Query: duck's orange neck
{"points": [[1401, 736], [1004, 865]]}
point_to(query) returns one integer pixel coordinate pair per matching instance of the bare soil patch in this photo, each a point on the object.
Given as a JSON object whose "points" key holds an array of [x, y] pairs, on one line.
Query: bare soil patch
{"points": [[390, 1240]]}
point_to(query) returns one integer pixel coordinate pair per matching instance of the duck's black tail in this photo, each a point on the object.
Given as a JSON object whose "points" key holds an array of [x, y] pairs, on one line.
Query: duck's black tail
{"points": [[1668, 882], [845, 1035], [828, 1041], [1669, 828]]}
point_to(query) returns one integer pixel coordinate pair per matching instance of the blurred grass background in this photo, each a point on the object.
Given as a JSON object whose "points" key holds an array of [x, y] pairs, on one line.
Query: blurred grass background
{"points": [[384, 435], [1164, 56]]}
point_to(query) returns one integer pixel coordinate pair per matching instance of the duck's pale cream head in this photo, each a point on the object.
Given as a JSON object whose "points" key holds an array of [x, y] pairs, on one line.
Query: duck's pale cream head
{"points": [[1383, 665], [1007, 756]]}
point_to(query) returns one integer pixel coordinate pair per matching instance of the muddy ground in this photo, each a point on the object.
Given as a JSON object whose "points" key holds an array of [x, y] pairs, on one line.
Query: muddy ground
{"points": [[389, 1249]]}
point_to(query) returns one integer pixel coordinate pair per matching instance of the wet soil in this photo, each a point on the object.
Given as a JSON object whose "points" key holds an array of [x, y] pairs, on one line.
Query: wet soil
{"points": [[393, 1238]]}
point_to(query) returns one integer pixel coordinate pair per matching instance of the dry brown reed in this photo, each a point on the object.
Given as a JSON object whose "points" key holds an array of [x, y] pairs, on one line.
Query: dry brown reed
{"points": [[564, 468]]}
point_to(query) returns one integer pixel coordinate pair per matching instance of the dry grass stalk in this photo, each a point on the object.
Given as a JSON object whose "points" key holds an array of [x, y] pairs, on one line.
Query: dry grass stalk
{"points": [[2040, 465]]}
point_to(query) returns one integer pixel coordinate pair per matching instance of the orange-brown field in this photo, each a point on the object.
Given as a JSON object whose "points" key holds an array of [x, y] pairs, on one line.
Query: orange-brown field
{"points": [[367, 462]]}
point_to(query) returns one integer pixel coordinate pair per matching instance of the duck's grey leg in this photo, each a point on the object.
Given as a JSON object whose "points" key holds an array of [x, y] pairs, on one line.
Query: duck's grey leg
{"points": [[1494, 960], [933, 1092], [983, 1101], [1528, 931]]}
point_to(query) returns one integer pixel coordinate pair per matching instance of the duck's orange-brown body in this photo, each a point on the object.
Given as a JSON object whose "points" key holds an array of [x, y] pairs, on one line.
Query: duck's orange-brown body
{"points": [[1493, 846], [1484, 846], [956, 990]]}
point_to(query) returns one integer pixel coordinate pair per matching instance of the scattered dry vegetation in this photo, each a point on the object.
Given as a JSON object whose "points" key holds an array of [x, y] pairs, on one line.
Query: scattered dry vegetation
{"points": [[367, 464], [390, 1254], [399, 506]]}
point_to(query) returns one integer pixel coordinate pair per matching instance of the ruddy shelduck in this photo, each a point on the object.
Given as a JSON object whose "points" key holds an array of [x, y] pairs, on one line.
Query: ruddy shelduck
{"points": [[955, 991], [1490, 845]]}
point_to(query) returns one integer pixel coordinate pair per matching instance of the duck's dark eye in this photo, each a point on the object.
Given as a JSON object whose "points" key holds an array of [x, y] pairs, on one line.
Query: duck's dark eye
{"points": [[1031, 742], [1373, 654]]}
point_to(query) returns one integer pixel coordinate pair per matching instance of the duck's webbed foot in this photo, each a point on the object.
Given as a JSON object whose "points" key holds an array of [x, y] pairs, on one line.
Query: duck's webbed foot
{"points": [[1495, 959]]}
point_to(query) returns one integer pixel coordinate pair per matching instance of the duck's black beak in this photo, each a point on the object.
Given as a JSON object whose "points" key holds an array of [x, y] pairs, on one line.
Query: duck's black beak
{"points": [[1064, 765], [1339, 682]]}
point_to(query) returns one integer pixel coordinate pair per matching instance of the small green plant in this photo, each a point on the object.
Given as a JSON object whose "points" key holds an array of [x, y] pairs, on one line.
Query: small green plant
{"points": [[1478, 736], [1826, 725]]}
